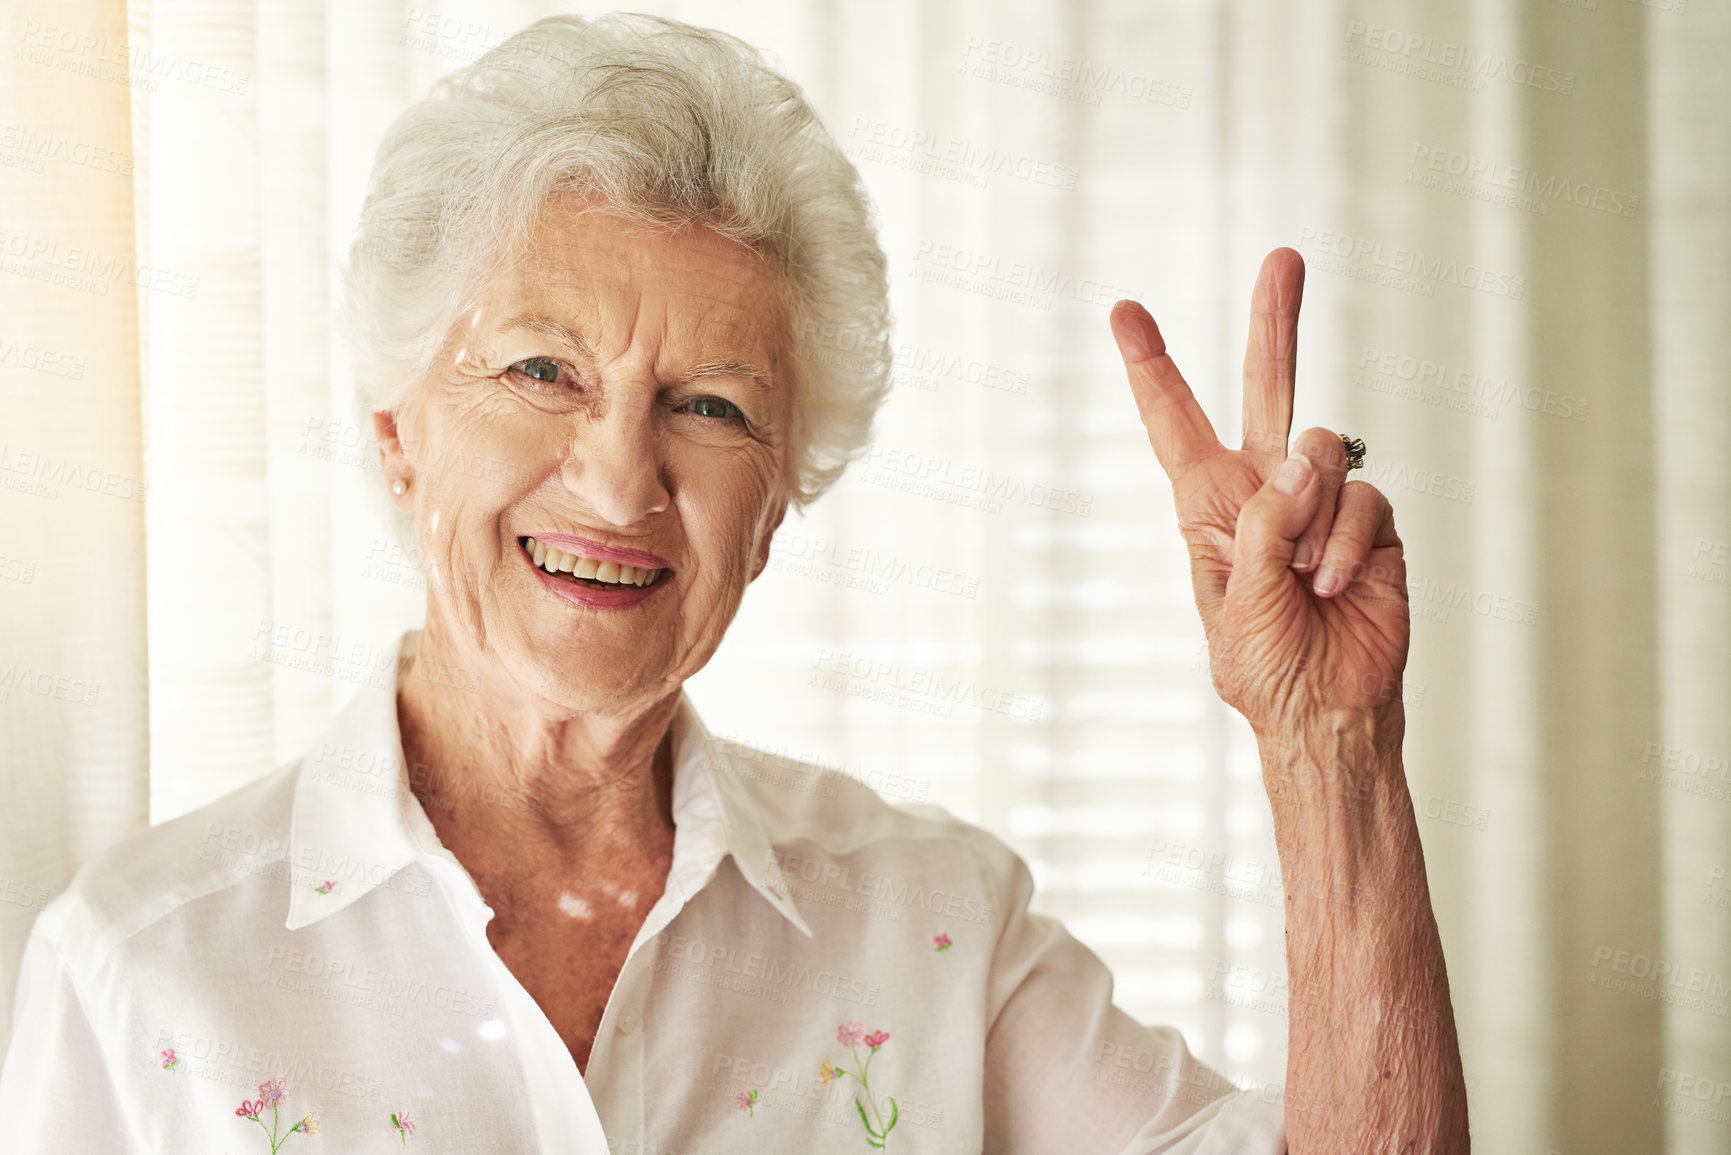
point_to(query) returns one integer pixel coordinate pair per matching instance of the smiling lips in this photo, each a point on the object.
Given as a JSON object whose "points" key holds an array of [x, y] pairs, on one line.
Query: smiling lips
{"points": [[591, 563]]}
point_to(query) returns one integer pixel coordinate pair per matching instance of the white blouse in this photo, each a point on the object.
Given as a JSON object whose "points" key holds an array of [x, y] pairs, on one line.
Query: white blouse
{"points": [[301, 967]]}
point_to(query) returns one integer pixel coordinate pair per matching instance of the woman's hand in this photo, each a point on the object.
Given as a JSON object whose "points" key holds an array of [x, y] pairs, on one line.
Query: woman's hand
{"points": [[1299, 577]]}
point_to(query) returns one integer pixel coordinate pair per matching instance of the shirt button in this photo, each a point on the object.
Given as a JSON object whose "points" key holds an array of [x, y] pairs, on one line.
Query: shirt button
{"points": [[627, 1022]]}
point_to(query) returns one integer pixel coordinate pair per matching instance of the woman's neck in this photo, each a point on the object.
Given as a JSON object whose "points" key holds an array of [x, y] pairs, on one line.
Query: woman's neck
{"points": [[505, 778]]}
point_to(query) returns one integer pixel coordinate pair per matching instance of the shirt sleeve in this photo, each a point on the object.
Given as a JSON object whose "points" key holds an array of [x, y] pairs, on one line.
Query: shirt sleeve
{"points": [[57, 1093], [1066, 1070]]}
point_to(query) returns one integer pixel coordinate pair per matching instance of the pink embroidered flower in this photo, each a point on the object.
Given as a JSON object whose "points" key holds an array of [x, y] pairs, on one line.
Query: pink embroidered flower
{"points": [[403, 1123], [249, 1110], [871, 1115], [170, 1060], [745, 1102], [273, 1091], [943, 942], [327, 887]]}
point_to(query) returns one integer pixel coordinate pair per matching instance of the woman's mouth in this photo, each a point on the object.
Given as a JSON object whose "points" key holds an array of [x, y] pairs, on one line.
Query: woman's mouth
{"points": [[587, 571]]}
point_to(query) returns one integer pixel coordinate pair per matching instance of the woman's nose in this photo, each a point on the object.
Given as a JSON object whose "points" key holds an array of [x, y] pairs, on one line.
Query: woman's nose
{"points": [[615, 467]]}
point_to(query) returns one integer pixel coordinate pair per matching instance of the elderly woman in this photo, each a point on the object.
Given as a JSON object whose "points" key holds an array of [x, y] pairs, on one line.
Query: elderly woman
{"points": [[522, 901]]}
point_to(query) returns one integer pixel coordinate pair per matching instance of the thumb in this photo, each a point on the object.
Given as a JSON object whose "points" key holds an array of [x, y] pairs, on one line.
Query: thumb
{"points": [[1271, 522]]}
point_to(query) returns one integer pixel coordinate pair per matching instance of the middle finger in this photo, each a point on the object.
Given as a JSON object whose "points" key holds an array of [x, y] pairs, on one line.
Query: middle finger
{"points": [[1271, 354]]}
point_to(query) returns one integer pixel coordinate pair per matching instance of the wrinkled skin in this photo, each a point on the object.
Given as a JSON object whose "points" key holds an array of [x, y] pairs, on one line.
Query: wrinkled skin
{"points": [[629, 387]]}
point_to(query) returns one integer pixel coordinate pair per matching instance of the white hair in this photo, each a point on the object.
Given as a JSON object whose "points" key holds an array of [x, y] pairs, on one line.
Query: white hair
{"points": [[669, 125]]}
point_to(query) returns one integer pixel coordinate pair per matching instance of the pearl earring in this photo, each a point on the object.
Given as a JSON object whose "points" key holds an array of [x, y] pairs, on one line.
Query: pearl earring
{"points": [[399, 487]]}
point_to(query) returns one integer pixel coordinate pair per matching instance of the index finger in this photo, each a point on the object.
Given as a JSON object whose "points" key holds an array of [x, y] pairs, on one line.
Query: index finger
{"points": [[1271, 354], [1177, 427]]}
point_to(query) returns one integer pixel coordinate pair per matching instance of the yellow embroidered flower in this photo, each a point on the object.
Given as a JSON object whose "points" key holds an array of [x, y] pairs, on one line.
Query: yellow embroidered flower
{"points": [[309, 1125], [827, 1072]]}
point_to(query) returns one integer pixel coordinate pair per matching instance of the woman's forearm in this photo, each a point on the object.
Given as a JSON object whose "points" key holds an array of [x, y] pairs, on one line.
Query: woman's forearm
{"points": [[1374, 1065]]}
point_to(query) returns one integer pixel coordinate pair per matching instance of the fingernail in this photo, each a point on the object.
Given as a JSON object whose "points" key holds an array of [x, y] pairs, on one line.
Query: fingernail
{"points": [[1132, 333], [1325, 582], [1293, 475], [1301, 556]]}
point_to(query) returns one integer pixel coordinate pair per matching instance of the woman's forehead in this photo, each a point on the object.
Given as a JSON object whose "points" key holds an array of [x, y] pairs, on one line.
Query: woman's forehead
{"points": [[595, 276]]}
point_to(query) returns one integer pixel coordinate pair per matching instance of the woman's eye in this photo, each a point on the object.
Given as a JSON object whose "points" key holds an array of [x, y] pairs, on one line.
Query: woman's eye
{"points": [[542, 369], [715, 407]]}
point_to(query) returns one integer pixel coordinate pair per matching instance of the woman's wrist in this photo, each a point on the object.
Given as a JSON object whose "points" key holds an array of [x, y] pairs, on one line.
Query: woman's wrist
{"points": [[1334, 747]]}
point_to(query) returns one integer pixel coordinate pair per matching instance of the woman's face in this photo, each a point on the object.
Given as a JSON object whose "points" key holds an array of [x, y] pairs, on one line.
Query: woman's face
{"points": [[619, 395]]}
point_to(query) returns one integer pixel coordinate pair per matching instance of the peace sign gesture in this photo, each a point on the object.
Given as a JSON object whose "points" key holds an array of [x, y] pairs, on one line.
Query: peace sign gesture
{"points": [[1298, 573]]}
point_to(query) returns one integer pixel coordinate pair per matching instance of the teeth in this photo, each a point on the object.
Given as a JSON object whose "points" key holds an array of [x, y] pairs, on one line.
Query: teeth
{"points": [[558, 561]]}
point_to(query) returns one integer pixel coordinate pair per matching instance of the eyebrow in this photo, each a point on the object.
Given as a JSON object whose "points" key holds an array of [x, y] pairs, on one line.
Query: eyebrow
{"points": [[724, 367], [551, 328], [728, 368]]}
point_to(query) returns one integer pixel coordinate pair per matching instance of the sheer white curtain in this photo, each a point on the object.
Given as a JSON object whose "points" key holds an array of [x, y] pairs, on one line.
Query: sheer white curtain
{"points": [[1517, 219]]}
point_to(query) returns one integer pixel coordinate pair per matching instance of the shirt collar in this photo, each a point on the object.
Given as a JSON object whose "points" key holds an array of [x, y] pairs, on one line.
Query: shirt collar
{"points": [[356, 822]]}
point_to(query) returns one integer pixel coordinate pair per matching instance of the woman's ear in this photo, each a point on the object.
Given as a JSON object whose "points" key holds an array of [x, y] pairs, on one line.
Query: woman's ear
{"points": [[767, 537], [393, 462]]}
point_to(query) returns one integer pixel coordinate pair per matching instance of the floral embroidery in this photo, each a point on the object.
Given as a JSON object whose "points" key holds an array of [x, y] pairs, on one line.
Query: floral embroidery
{"points": [[851, 1035], [326, 888], [943, 941], [746, 1102], [403, 1124], [170, 1060], [271, 1093]]}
